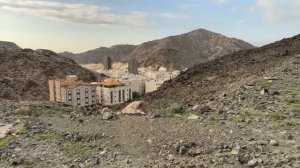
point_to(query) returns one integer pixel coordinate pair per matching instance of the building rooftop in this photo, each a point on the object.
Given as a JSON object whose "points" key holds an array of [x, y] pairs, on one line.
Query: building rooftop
{"points": [[110, 83]]}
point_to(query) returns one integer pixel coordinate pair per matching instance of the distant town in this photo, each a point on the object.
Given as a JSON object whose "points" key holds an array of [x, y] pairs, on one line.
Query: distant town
{"points": [[121, 86]]}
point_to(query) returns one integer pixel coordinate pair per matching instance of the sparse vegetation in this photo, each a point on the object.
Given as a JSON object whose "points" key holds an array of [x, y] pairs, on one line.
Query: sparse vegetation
{"points": [[215, 117], [237, 119], [49, 136], [277, 116], [77, 148], [6, 141]]}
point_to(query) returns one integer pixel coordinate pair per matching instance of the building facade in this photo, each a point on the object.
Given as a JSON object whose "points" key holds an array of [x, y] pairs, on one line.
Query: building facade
{"points": [[112, 92], [79, 95], [133, 66], [56, 85], [107, 63]]}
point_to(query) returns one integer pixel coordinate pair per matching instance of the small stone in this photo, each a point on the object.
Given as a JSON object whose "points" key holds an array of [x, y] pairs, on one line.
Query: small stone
{"points": [[18, 161], [290, 137], [81, 121], [274, 143], [196, 107], [264, 91], [243, 158], [193, 117], [252, 163], [107, 116], [182, 150], [155, 115], [128, 161], [205, 109], [235, 151], [149, 141]]}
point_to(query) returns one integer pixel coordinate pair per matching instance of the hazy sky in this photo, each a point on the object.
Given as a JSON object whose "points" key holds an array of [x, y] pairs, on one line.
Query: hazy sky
{"points": [[80, 25]]}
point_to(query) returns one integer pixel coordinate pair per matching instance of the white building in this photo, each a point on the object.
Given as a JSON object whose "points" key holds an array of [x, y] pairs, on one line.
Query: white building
{"points": [[136, 82], [79, 94], [113, 92]]}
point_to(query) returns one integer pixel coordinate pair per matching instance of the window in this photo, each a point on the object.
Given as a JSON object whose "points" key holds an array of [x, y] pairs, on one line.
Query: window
{"points": [[69, 92], [119, 95], [111, 97], [123, 95], [129, 93], [78, 102], [78, 94]]}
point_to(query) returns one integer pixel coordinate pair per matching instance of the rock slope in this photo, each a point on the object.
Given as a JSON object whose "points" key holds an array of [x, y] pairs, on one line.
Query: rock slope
{"points": [[205, 82], [25, 73]]}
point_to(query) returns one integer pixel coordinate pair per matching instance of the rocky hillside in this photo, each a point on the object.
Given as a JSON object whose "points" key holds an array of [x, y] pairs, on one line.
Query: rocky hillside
{"points": [[118, 53], [25, 73], [175, 52], [4, 45], [206, 82], [186, 50]]}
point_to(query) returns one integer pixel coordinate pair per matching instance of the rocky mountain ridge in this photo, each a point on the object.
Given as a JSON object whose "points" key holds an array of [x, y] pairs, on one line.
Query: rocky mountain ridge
{"points": [[25, 73], [175, 52]]}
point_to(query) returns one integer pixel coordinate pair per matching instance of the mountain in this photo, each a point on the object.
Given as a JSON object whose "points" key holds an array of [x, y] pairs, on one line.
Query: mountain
{"points": [[186, 50], [175, 52], [118, 53], [4, 45], [206, 82], [25, 73]]}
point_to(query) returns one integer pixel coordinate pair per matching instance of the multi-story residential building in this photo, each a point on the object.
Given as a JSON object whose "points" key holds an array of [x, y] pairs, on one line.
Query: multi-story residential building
{"points": [[133, 66], [113, 92], [56, 85], [83, 94], [107, 63], [136, 82]]}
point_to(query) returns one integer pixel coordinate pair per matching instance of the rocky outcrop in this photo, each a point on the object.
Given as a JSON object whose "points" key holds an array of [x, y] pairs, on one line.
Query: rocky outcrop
{"points": [[205, 82], [25, 73], [4, 45]]}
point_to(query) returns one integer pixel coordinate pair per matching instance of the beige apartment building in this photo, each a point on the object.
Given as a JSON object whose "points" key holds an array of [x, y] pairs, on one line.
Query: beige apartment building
{"points": [[56, 85], [113, 92], [72, 91], [79, 94]]}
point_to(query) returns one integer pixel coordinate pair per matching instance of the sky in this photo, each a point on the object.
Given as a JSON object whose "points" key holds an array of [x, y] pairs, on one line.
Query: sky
{"points": [[81, 25]]}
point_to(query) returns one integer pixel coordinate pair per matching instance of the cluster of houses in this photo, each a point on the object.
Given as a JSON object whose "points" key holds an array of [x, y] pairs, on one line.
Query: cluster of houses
{"points": [[74, 92], [112, 91]]}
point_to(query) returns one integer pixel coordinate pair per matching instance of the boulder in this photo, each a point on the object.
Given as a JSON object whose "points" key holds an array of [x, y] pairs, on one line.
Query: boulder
{"points": [[137, 107], [107, 116]]}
